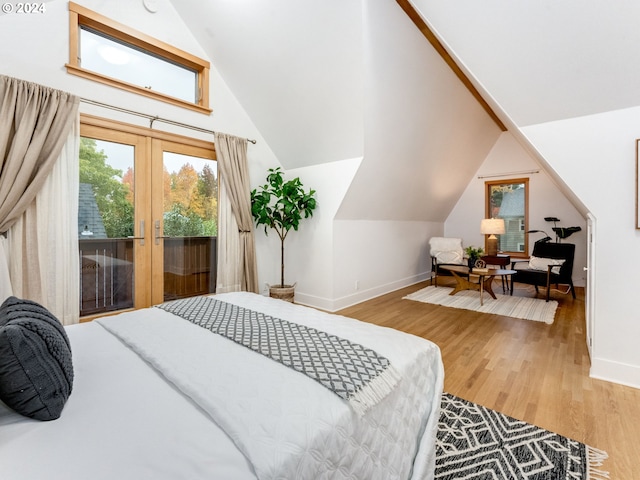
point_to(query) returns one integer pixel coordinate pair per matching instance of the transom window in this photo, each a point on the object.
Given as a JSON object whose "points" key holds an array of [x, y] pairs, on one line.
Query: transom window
{"points": [[103, 54], [108, 52], [508, 199]]}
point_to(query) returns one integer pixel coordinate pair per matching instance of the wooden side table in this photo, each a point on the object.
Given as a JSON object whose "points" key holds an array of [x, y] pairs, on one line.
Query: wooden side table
{"points": [[500, 260]]}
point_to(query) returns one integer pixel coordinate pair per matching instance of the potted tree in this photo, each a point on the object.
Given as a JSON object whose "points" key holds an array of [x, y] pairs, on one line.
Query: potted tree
{"points": [[281, 205]]}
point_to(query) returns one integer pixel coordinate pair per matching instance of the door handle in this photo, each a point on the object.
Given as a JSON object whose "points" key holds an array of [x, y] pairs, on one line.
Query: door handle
{"points": [[141, 237], [157, 234]]}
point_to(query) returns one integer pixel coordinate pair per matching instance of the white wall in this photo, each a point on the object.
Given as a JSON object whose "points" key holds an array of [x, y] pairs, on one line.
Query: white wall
{"points": [[337, 263], [38, 52], [309, 251], [376, 213], [39, 49], [296, 68], [545, 200], [424, 133], [596, 156], [375, 257], [558, 109], [424, 137]]}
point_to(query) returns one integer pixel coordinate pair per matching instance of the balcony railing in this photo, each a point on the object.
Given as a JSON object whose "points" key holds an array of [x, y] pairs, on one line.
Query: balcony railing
{"points": [[189, 266], [107, 274]]}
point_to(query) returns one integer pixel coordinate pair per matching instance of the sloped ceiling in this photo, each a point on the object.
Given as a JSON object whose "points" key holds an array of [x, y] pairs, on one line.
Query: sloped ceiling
{"points": [[330, 80], [544, 60], [425, 134], [294, 65]]}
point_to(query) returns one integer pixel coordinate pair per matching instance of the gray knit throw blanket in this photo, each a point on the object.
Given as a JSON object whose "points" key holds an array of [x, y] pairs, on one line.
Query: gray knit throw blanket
{"points": [[353, 372]]}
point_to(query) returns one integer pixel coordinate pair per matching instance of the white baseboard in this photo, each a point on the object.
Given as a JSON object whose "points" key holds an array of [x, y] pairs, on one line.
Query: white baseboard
{"points": [[615, 372], [321, 303], [332, 305]]}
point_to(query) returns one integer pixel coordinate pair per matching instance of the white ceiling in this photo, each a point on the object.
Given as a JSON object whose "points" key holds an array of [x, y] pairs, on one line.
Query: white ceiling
{"points": [[309, 74], [331, 80], [540, 60], [545, 60], [294, 65]]}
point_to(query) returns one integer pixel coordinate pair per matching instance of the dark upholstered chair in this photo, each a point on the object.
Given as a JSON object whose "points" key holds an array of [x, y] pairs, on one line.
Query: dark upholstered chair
{"points": [[550, 264]]}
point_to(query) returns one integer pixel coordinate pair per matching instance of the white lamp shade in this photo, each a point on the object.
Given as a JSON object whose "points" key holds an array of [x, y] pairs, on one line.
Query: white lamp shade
{"points": [[492, 226]]}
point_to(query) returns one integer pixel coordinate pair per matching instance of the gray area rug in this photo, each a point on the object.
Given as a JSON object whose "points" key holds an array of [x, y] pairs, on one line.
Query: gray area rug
{"points": [[518, 307], [475, 442]]}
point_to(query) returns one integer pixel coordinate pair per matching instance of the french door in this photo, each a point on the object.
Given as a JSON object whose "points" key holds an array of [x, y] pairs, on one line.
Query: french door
{"points": [[147, 216]]}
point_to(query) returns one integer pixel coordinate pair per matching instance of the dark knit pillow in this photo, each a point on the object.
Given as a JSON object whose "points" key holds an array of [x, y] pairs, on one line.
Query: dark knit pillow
{"points": [[36, 372]]}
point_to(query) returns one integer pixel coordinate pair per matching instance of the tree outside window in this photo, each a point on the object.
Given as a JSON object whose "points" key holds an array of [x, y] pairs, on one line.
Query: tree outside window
{"points": [[508, 199], [190, 196]]}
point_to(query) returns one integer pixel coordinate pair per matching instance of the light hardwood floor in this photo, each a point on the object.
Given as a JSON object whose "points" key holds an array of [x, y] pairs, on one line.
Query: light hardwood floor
{"points": [[529, 370]]}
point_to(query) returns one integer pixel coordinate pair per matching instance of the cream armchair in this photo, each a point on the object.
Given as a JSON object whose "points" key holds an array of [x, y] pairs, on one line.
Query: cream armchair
{"points": [[445, 251]]}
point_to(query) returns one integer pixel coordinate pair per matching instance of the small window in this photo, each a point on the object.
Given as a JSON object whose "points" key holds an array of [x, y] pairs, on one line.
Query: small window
{"points": [[108, 52], [103, 54], [508, 199]]}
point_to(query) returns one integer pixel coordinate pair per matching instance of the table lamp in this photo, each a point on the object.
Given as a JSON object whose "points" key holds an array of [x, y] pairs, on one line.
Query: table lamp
{"points": [[492, 227]]}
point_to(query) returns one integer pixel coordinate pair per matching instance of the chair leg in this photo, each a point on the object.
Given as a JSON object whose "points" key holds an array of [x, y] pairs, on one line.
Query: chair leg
{"points": [[548, 286], [434, 269]]}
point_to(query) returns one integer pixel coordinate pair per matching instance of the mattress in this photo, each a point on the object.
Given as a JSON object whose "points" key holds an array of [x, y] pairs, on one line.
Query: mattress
{"points": [[210, 408]]}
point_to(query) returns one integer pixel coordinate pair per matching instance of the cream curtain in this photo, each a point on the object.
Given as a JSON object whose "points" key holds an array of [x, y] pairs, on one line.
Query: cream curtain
{"points": [[229, 276], [237, 268], [43, 242], [34, 123], [5, 280], [35, 126]]}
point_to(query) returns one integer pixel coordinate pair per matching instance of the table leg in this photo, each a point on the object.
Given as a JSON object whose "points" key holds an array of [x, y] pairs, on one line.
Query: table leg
{"points": [[483, 284], [461, 284], [486, 282]]}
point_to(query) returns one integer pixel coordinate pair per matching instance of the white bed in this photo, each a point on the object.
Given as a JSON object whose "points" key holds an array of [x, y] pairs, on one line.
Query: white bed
{"points": [[221, 411]]}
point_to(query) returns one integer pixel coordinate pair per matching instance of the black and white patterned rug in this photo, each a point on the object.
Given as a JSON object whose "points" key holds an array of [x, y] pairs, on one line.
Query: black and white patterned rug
{"points": [[475, 442]]}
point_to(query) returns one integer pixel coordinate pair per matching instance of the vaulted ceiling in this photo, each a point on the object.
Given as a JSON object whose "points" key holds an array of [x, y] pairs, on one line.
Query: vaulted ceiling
{"points": [[544, 60], [295, 67], [331, 80], [326, 81]]}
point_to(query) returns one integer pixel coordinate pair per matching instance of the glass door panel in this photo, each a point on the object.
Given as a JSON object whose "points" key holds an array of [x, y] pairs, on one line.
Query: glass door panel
{"points": [[148, 216], [189, 225], [106, 226]]}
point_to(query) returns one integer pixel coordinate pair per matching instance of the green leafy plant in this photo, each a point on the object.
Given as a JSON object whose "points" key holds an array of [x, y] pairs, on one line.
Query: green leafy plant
{"points": [[281, 205], [473, 252]]}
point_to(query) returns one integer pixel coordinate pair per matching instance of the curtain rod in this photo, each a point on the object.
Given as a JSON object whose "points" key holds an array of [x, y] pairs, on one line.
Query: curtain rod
{"points": [[152, 118], [510, 174]]}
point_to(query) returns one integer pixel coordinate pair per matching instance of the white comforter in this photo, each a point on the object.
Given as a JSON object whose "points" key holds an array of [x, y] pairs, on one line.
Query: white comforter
{"points": [[227, 412]]}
